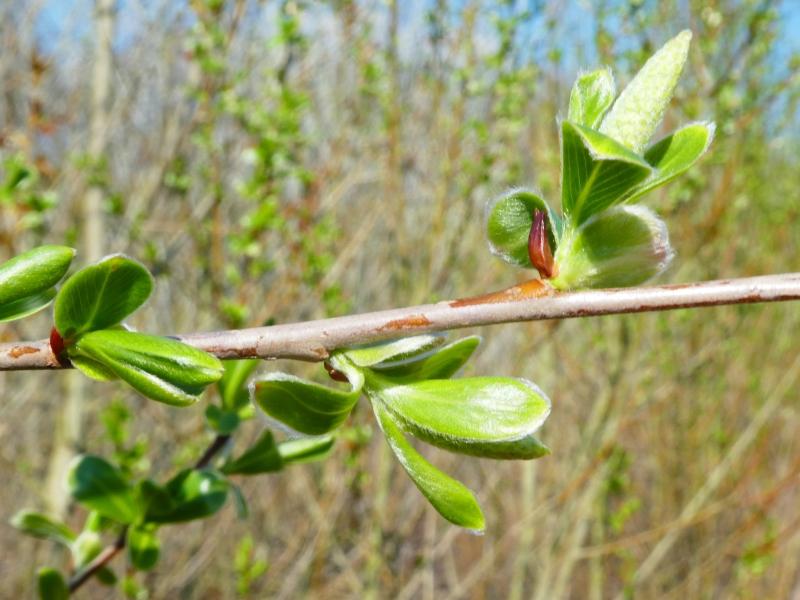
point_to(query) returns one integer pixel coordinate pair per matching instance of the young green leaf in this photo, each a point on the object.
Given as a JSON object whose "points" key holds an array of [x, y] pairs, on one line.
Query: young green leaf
{"points": [[591, 96], [449, 497], [597, 172], [674, 155], [86, 547], [159, 368], [222, 421], [51, 584], [493, 417], [143, 546], [304, 406], [621, 247], [303, 450], [508, 225], [262, 457], [233, 385], [397, 350], [27, 281], [101, 295], [100, 486], [640, 107], [43, 526], [194, 494], [441, 363]]}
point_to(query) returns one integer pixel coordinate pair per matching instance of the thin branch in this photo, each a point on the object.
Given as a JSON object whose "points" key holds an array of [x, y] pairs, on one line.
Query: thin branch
{"points": [[530, 301]]}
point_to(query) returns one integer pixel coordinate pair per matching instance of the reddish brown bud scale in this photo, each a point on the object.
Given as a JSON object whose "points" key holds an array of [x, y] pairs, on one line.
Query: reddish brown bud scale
{"points": [[58, 347], [335, 374], [539, 250]]}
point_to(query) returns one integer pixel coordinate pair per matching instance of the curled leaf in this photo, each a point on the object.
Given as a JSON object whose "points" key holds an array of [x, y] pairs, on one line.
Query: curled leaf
{"points": [[27, 281], [401, 349], [261, 457], [591, 96], [508, 225], [303, 450], [440, 363], [192, 494]]}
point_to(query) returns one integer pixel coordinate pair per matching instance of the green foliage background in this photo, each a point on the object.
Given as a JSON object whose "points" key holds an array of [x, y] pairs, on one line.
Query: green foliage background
{"points": [[291, 160]]}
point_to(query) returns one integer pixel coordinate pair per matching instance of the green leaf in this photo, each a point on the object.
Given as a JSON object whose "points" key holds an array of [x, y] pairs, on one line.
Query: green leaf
{"points": [[591, 96], [441, 363], [508, 225], [240, 503], [597, 172], [101, 295], [27, 281], [86, 547], [222, 421], [233, 385], [621, 247], [51, 584], [143, 546], [100, 486], [43, 526], [368, 356], [493, 417], [262, 457], [194, 494], [640, 107], [304, 406], [92, 369], [159, 368], [674, 155], [303, 450], [449, 497]]}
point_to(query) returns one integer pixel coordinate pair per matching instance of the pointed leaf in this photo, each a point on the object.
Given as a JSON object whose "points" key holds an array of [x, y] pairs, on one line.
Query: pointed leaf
{"points": [[621, 247], [159, 368], [303, 450], [262, 457], [27, 281], [143, 546], [396, 350], [101, 295], [194, 494], [233, 385], [222, 421], [508, 225], [43, 526], [51, 584], [597, 172], [674, 155], [449, 497], [304, 406], [591, 96], [441, 363], [640, 107], [493, 417], [102, 487]]}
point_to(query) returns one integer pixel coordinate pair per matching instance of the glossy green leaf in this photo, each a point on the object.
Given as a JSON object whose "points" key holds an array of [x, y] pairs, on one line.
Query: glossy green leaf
{"points": [[638, 111], [449, 497], [100, 486], [261, 457], [221, 420], [508, 225], [144, 546], [303, 450], [401, 349], [92, 369], [591, 96], [493, 417], [304, 406], [101, 295], [43, 526], [233, 385], [154, 497], [27, 281], [194, 494], [51, 584], [674, 155], [441, 363], [621, 247], [159, 368], [597, 172]]}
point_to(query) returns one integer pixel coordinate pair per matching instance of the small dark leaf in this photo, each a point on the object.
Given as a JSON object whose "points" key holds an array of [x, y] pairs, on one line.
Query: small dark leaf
{"points": [[194, 494], [222, 421], [240, 502], [262, 457], [51, 584], [100, 486], [143, 546]]}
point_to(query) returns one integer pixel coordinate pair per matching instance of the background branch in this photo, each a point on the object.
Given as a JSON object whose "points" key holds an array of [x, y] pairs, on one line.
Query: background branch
{"points": [[530, 301]]}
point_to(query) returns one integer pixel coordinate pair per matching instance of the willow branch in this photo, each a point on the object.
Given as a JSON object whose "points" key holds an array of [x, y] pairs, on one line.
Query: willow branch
{"points": [[530, 301]]}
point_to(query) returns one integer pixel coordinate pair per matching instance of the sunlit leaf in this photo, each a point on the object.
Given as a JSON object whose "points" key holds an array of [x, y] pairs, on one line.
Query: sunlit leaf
{"points": [[440, 363], [27, 281], [396, 350], [143, 546], [101, 295], [449, 497], [261, 457], [303, 450], [636, 114], [493, 417], [43, 526], [194, 494], [159, 368], [591, 96], [233, 385], [508, 225], [624, 246], [100, 486]]}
